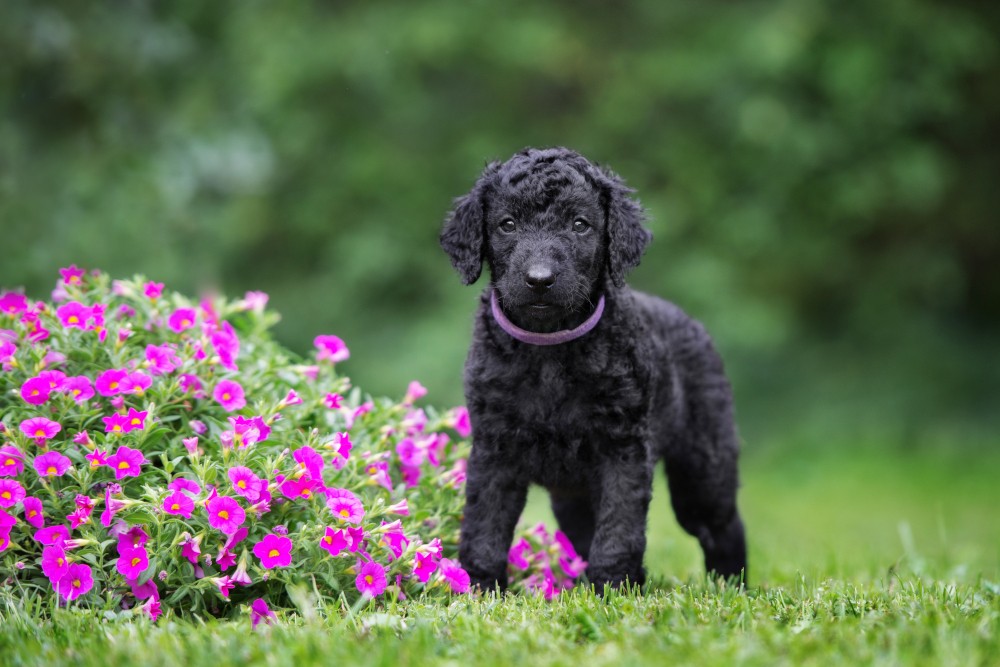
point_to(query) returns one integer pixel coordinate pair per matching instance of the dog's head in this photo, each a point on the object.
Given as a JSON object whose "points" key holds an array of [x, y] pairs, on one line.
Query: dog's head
{"points": [[552, 227]]}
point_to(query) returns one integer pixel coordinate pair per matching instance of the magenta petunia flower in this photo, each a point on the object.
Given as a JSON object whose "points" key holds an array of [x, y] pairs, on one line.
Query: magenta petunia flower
{"points": [[131, 538], [334, 541], [274, 551], [33, 511], [162, 359], [135, 420], [333, 401], [260, 612], [424, 565], [40, 428], [301, 487], [11, 492], [116, 423], [371, 579], [291, 398], [36, 391], [331, 348], [310, 461], [394, 538], [151, 607], [408, 452], [179, 502], [245, 482], [52, 464], [182, 319], [184, 484], [109, 382], [227, 345], [52, 535], [413, 392], [247, 432], [345, 505], [459, 420], [55, 565], [126, 462], [518, 554], [74, 315], [13, 303], [225, 514], [153, 291], [11, 463], [229, 394], [7, 350], [111, 505], [77, 581], [132, 562], [135, 383], [455, 576], [97, 458], [79, 388], [71, 275]]}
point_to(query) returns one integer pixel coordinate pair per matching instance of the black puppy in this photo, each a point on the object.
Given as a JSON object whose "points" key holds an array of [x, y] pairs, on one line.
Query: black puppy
{"points": [[580, 384]]}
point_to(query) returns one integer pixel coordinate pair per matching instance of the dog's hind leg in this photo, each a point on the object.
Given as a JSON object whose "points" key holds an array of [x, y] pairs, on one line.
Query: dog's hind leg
{"points": [[575, 514]]}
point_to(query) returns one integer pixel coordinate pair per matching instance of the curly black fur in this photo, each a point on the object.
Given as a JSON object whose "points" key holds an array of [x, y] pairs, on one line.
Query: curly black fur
{"points": [[587, 419]]}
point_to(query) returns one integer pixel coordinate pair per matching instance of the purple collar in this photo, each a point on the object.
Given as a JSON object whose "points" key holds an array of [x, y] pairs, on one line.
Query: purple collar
{"points": [[554, 338]]}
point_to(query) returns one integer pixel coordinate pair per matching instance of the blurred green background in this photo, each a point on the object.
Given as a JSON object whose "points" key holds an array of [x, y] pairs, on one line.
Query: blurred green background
{"points": [[822, 177]]}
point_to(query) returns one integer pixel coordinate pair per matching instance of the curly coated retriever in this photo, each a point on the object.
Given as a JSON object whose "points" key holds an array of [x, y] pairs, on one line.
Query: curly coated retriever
{"points": [[580, 384]]}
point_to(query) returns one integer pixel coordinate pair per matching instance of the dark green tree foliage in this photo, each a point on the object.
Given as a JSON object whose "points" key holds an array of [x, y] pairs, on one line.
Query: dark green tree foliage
{"points": [[821, 175]]}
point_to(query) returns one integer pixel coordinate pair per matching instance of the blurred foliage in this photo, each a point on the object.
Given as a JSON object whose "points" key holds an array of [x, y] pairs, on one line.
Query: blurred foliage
{"points": [[821, 175]]}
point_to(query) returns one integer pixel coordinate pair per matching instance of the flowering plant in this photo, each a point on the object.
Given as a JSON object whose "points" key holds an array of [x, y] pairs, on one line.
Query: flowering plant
{"points": [[163, 454]]}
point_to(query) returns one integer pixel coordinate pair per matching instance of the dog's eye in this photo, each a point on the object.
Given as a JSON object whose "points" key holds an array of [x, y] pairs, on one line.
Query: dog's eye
{"points": [[580, 226], [507, 226]]}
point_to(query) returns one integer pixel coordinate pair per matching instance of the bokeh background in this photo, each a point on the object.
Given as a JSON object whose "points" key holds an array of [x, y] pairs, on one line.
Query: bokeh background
{"points": [[821, 176]]}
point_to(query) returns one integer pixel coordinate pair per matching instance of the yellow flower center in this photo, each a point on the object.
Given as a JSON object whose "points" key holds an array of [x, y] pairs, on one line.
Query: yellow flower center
{"points": [[185, 323], [76, 392], [135, 561], [242, 484], [225, 397], [9, 462], [77, 583], [39, 433], [328, 539], [345, 513], [223, 514], [368, 579], [35, 392], [60, 561], [117, 427], [306, 493], [51, 470], [113, 385], [73, 319], [136, 421], [5, 495], [123, 465], [32, 513], [175, 507], [273, 553]]}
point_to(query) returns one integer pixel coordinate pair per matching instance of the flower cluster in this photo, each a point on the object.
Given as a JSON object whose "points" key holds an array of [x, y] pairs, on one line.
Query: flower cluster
{"points": [[156, 451], [545, 563]]}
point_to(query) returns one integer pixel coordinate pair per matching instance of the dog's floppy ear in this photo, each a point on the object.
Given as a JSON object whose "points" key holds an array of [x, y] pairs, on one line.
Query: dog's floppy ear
{"points": [[627, 238], [462, 236]]}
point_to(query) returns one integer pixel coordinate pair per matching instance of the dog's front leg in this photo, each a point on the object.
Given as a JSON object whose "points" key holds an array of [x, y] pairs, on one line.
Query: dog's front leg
{"points": [[494, 498], [625, 480]]}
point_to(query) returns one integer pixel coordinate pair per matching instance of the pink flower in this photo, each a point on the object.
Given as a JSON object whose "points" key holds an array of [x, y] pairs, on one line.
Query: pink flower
{"points": [[36, 391], [135, 383], [371, 579], [333, 401], [10, 461], [459, 420], [52, 464], [517, 554], [198, 426], [190, 383], [402, 508], [12, 303], [331, 348], [111, 505], [456, 577], [181, 319], [11, 492], [77, 581], [33, 511], [302, 487], [248, 432], [97, 458], [414, 392], [74, 315], [72, 275], [7, 350], [229, 394], [225, 585], [225, 559], [79, 388], [309, 461], [132, 562], [151, 607], [343, 448], [246, 483], [55, 565], [290, 399], [179, 503], [394, 538], [379, 472], [225, 514], [408, 452], [334, 541], [274, 551], [52, 535], [259, 611], [190, 444], [424, 565], [152, 290], [191, 548], [40, 428], [345, 505], [184, 484], [109, 382], [162, 359], [116, 423], [126, 462], [83, 438], [135, 420], [227, 345], [131, 538]]}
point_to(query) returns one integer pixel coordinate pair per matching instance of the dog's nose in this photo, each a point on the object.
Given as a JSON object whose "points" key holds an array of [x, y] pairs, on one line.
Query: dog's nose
{"points": [[539, 277]]}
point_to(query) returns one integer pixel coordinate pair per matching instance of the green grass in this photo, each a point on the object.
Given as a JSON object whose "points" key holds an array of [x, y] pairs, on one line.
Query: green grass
{"points": [[856, 559]]}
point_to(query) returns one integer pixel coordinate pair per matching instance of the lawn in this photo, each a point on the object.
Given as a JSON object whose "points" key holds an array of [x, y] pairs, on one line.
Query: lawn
{"points": [[856, 558]]}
